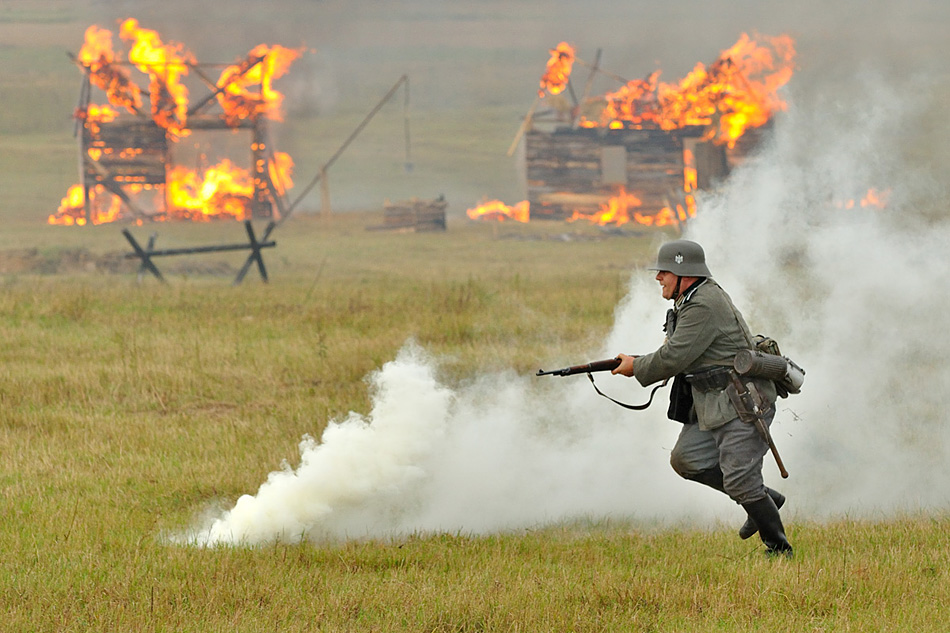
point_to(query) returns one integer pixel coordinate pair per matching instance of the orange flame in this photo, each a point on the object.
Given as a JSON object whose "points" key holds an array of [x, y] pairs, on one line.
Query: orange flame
{"points": [[223, 190], [263, 64], [72, 210], [635, 102], [690, 174], [499, 211], [165, 64], [873, 198], [738, 91], [615, 211], [95, 114], [97, 55], [621, 209], [558, 71], [280, 169]]}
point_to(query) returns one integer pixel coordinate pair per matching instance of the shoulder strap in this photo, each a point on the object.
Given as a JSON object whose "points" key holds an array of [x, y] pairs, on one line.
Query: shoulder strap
{"points": [[633, 407], [735, 314]]}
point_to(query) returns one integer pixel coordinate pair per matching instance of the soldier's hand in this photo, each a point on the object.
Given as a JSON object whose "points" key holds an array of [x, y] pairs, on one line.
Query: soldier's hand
{"points": [[625, 367]]}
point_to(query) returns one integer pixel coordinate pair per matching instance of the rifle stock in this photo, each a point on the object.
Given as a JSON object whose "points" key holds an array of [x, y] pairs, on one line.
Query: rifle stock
{"points": [[587, 368]]}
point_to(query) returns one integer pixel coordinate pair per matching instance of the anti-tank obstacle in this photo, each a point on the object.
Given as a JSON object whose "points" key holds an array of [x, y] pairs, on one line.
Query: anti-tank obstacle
{"points": [[254, 244]]}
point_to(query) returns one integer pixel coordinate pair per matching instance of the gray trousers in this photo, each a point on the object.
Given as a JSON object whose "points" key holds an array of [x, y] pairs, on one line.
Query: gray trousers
{"points": [[736, 447]]}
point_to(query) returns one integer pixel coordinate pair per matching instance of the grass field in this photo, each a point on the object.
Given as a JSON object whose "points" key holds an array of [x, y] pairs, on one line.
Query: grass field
{"points": [[129, 408]]}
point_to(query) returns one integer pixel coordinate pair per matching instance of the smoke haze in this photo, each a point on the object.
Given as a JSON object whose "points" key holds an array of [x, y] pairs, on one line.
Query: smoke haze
{"points": [[856, 296]]}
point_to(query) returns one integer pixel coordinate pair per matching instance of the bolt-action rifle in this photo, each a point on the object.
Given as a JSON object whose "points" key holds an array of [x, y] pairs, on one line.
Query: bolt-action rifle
{"points": [[595, 366]]}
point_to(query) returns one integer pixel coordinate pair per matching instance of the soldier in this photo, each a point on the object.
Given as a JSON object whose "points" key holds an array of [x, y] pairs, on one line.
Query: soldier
{"points": [[704, 331]]}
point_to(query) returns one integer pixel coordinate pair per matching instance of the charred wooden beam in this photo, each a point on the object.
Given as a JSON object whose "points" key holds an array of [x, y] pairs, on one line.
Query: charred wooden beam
{"points": [[215, 122], [525, 125], [246, 66], [107, 180], [261, 206], [587, 87], [277, 197]]}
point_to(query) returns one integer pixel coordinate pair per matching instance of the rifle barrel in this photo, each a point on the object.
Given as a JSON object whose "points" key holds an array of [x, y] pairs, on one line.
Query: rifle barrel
{"points": [[593, 366]]}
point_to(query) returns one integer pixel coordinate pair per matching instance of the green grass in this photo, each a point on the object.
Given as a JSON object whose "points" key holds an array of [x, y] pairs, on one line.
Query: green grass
{"points": [[128, 409]]}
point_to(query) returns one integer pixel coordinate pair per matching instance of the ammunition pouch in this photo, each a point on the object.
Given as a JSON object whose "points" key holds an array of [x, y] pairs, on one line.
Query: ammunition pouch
{"points": [[712, 379]]}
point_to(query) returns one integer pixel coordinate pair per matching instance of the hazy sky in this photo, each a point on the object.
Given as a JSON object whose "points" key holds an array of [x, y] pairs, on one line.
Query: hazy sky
{"points": [[473, 50]]}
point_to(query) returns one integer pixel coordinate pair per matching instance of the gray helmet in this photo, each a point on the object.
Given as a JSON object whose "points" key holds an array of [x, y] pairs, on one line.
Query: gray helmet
{"points": [[682, 258]]}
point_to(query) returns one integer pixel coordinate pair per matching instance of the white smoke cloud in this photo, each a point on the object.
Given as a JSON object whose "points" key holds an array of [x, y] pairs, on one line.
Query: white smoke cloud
{"points": [[502, 452], [360, 462], [856, 296]]}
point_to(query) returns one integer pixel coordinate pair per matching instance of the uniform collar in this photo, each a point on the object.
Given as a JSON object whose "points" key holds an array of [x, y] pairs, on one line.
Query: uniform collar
{"points": [[687, 294]]}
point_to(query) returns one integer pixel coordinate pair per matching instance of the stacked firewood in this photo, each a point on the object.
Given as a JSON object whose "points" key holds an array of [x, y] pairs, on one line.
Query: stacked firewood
{"points": [[415, 214]]}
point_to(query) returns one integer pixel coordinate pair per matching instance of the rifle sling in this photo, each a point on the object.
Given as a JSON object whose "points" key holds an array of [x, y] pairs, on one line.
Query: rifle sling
{"points": [[633, 407]]}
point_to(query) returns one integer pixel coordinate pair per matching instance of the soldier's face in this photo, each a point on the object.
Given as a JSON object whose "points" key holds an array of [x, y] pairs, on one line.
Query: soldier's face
{"points": [[667, 283]]}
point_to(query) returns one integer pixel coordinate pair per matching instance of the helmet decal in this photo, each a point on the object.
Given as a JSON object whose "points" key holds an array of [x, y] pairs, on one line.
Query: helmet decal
{"points": [[679, 258]]}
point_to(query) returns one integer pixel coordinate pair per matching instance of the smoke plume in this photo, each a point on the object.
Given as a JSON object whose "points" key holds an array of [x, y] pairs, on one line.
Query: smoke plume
{"points": [[857, 294]]}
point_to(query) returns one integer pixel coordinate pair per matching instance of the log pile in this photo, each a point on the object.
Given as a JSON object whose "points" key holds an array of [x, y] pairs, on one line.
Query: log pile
{"points": [[414, 214]]}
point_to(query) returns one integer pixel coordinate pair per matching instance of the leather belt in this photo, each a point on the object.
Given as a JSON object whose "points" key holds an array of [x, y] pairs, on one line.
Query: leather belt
{"points": [[713, 379]]}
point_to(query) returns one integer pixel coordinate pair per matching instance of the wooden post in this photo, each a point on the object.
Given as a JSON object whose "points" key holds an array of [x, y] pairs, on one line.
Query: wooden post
{"points": [[275, 194], [260, 205], [321, 175], [524, 126], [86, 202], [83, 106], [587, 86], [144, 255]]}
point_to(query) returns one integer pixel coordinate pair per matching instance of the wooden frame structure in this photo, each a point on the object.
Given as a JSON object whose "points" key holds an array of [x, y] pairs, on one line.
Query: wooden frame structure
{"points": [[137, 151], [568, 168]]}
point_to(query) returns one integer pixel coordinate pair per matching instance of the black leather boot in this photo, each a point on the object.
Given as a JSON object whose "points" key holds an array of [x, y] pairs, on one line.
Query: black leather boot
{"points": [[771, 530], [749, 528], [711, 477]]}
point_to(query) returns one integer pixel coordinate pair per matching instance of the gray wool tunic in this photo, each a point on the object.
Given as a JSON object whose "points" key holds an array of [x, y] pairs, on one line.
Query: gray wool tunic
{"points": [[709, 331]]}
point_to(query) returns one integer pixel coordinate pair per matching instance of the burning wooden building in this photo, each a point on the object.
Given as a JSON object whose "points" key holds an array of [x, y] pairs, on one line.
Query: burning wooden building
{"points": [[615, 175], [638, 154], [132, 160]]}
